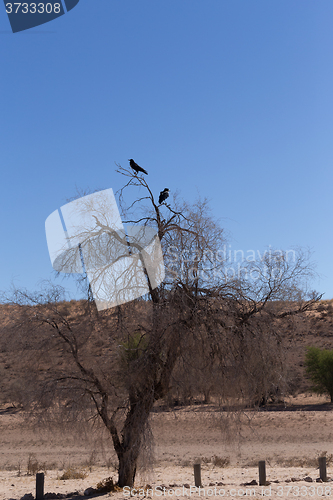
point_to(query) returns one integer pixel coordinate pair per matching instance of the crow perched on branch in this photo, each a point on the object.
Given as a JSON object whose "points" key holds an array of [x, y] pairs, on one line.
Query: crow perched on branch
{"points": [[163, 195], [136, 167]]}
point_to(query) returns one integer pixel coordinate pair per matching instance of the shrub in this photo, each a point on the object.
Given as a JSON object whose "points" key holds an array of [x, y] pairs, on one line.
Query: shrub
{"points": [[73, 474], [319, 367], [34, 466], [106, 486]]}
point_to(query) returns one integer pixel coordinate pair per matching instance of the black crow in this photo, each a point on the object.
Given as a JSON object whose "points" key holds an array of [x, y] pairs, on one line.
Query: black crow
{"points": [[163, 195], [136, 167]]}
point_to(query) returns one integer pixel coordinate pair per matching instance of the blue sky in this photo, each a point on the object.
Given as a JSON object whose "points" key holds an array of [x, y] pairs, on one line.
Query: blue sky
{"points": [[231, 99]]}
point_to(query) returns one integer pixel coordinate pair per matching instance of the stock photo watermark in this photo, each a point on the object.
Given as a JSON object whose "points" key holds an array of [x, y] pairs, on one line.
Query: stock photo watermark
{"points": [[226, 263], [87, 235], [227, 255], [31, 13], [281, 491]]}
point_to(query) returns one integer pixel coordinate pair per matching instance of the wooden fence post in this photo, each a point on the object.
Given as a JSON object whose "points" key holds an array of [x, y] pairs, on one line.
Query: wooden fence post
{"points": [[322, 468], [262, 473], [197, 475], [39, 486]]}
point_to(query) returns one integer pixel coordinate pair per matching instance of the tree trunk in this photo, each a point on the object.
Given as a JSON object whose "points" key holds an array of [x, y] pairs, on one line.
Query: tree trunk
{"points": [[127, 469], [153, 387], [132, 435]]}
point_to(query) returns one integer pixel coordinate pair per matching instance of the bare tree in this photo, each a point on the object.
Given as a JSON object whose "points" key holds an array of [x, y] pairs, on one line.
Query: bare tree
{"points": [[126, 358]]}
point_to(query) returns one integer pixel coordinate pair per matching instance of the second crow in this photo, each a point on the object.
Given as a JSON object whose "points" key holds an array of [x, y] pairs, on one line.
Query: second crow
{"points": [[163, 195]]}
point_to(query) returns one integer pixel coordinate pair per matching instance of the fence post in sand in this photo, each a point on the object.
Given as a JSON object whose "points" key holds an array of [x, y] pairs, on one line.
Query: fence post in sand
{"points": [[262, 473], [322, 468], [197, 475], [39, 486]]}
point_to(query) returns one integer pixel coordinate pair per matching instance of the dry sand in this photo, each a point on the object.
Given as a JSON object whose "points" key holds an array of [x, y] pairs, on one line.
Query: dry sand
{"points": [[229, 448]]}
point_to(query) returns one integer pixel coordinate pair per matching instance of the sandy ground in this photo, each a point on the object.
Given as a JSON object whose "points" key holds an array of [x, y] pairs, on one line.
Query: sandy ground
{"points": [[229, 447]]}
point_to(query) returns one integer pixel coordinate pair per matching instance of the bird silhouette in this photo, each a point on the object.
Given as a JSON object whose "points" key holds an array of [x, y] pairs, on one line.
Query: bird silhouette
{"points": [[136, 167], [163, 195]]}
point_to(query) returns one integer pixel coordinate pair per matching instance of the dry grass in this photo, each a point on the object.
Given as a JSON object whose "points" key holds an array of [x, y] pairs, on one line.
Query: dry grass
{"points": [[107, 485], [290, 462], [91, 461], [220, 461], [215, 460], [111, 464], [71, 473], [34, 466], [305, 461]]}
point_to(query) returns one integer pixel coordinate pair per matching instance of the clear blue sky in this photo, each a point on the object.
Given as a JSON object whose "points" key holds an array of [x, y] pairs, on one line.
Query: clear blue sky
{"points": [[232, 99]]}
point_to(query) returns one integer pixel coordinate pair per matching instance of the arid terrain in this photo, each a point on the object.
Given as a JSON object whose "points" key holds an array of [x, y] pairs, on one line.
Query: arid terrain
{"points": [[289, 438]]}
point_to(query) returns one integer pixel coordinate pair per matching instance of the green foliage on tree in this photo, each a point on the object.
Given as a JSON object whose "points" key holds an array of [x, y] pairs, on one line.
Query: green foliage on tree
{"points": [[319, 367], [133, 348]]}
